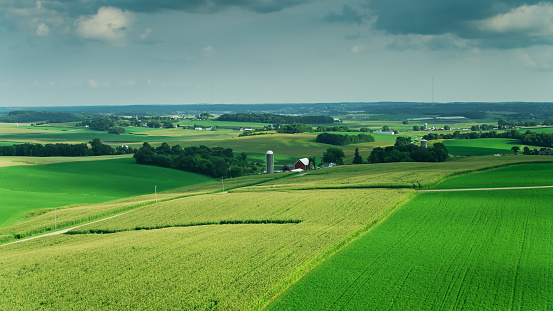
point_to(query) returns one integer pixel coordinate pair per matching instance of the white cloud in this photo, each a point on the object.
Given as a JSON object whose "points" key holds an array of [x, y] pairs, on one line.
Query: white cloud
{"points": [[42, 30], [533, 20], [356, 49], [38, 19], [93, 83], [146, 34], [109, 25], [208, 51]]}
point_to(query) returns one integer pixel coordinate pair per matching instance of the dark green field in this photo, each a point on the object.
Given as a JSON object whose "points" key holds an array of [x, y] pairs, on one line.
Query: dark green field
{"points": [[480, 147], [477, 250], [30, 188]]}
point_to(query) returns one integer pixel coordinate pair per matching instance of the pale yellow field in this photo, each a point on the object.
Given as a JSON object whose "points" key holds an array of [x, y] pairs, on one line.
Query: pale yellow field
{"points": [[14, 161]]}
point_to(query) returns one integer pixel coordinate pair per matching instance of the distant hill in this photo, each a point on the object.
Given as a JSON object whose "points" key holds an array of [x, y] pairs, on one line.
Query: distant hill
{"points": [[34, 116]]}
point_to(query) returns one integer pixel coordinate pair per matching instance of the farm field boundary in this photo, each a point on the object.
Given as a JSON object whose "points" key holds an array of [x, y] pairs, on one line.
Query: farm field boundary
{"points": [[82, 214], [441, 250], [487, 189]]}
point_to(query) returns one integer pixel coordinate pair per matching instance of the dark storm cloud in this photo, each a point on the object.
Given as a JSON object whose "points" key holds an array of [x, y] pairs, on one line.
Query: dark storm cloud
{"points": [[468, 19], [348, 15]]}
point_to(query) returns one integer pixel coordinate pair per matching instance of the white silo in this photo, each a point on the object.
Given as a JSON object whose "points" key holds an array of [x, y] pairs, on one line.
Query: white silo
{"points": [[269, 162], [424, 143]]}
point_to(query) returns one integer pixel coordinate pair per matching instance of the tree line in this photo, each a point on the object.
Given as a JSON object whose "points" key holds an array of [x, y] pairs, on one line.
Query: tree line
{"points": [[342, 140], [63, 150], [295, 128], [404, 151], [275, 118], [340, 128], [527, 138], [21, 116], [215, 162]]}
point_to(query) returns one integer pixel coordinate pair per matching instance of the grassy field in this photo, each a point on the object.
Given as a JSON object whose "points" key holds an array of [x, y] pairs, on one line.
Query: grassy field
{"points": [[30, 188], [392, 175], [484, 250], [346, 241], [480, 147], [514, 176], [225, 267], [223, 124]]}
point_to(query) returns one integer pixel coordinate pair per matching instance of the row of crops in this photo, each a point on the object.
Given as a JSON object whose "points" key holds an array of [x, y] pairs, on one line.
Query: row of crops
{"points": [[473, 250], [238, 266], [296, 245]]}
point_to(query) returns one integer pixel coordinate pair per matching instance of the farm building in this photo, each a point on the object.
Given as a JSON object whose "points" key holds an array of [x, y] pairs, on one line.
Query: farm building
{"points": [[546, 152], [302, 163]]}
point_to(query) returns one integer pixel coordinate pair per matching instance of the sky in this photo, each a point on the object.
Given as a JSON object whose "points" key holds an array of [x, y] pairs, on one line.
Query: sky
{"points": [[142, 52]]}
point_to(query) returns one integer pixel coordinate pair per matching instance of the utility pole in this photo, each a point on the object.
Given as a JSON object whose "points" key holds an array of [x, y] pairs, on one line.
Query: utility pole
{"points": [[155, 193], [55, 219], [222, 183]]}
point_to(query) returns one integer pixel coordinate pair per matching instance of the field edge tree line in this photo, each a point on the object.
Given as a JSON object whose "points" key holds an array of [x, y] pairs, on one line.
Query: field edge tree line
{"points": [[215, 162]]}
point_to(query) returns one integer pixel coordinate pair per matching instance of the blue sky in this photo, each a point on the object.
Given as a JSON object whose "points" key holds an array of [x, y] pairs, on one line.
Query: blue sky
{"points": [[123, 52]]}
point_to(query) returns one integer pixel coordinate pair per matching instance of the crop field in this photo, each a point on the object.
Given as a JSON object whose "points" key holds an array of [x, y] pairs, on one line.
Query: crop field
{"points": [[223, 124], [30, 188], [480, 147], [528, 175], [223, 266], [477, 250], [394, 175], [79, 214], [539, 129]]}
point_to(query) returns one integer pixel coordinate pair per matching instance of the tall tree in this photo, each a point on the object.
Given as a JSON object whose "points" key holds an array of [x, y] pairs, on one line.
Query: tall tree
{"points": [[357, 159]]}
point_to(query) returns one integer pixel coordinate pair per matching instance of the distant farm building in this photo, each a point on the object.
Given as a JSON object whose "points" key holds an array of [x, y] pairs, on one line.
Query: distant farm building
{"points": [[384, 132], [302, 163], [269, 162], [546, 152]]}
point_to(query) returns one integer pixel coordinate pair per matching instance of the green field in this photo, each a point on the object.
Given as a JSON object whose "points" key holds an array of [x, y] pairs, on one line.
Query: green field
{"points": [[225, 267], [223, 124], [336, 238], [30, 188], [480, 147], [483, 250], [515, 176]]}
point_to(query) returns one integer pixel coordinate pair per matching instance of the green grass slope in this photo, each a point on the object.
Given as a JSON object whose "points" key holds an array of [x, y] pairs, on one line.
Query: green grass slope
{"points": [[515, 176], [30, 188], [480, 147]]}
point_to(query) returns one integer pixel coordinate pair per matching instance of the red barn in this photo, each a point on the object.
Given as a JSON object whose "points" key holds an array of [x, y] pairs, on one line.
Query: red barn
{"points": [[302, 163]]}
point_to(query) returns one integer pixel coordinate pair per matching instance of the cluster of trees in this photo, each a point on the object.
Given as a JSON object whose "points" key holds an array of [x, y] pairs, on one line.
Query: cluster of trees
{"points": [[537, 139], [203, 116], [527, 138], [48, 116], [474, 135], [275, 118], [114, 125], [404, 151], [342, 140], [335, 155], [340, 128], [295, 128], [512, 123], [63, 150], [216, 162]]}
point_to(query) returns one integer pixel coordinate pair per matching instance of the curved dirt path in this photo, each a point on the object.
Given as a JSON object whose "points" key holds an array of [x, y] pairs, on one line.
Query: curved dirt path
{"points": [[60, 231], [487, 189]]}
